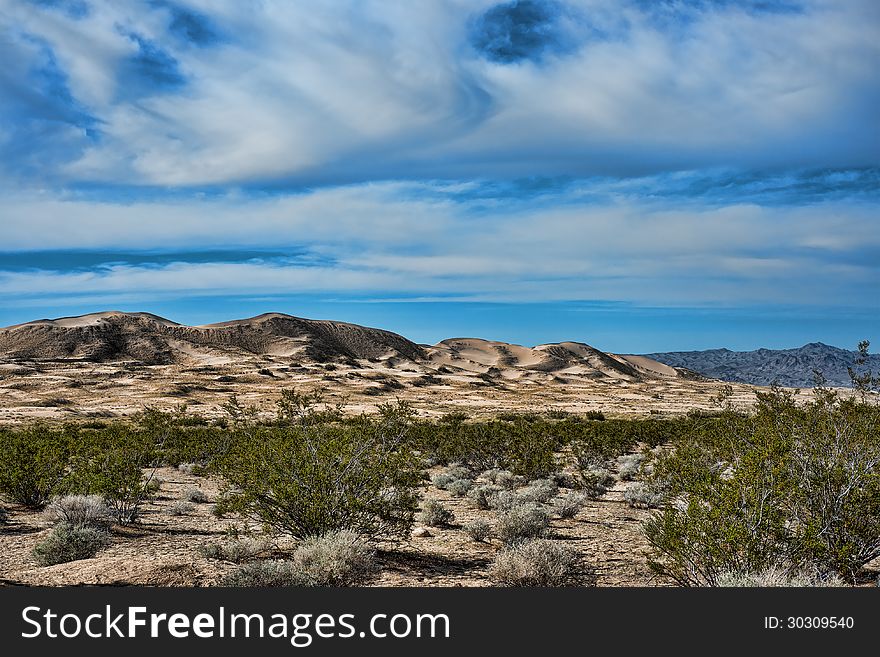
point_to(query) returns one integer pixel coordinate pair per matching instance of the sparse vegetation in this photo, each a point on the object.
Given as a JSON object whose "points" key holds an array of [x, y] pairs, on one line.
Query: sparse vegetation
{"points": [[237, 549], [539, 491], [196, 495], [779, 577], [481, 496], [641, 495], [181, 508], [629, 466], [460, 487]]}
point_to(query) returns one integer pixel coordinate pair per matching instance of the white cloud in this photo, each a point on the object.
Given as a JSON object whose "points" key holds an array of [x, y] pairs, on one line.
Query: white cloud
{"points": [[405, 239], [336, 91]]}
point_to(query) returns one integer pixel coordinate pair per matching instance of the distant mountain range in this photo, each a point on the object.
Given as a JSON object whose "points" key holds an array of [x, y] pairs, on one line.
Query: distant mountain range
{"points": [[787, 367]]}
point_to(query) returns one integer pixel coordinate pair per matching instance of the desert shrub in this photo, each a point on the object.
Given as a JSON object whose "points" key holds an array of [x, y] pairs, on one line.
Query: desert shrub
{"points": [[454, 417], [33, 464], [522, 522], [111, 463], [481, 496], [526, 448], [339, 558], [196, 495], [459, 472], [181, 508], [442, 480], [478, 530], [70, 542], [643, 495], [518, 417], [506, 479], [234, 549], [79, 510], [435, 514], [503, 500], [312, 477], [595, 415], [595, 481], [460, 487], [540, 562], [791, 486], [629, 466], [490, 475], [779, 577], [539, 491], [263, 574], [569, 505], [187, 468]]}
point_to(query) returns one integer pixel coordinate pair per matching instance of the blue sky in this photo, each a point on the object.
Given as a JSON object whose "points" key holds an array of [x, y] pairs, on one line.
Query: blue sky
{"points": [[639, 175]]}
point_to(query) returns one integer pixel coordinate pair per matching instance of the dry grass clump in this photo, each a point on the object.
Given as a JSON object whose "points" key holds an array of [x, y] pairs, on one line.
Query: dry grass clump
{"points": [[569, 505], [434, 514], [196, 495], [70, 542], [540, 562], [339, 558], [478, 530], [79, 510], [521, 523]]}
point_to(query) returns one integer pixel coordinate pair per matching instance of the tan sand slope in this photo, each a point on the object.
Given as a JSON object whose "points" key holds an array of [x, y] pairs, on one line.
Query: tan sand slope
{"points": [[516, 361], [152, 340]]}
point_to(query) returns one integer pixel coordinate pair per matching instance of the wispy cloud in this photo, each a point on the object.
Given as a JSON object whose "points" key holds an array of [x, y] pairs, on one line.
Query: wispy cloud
{"points": [[407, 238], [671, 153], [338, 92]]}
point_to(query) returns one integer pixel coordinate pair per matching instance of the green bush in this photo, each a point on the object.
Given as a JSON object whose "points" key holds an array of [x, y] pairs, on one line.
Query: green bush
{"points": [[33, 464], [312, 477], [524, 447], [70, 542], [111, 463], [789, 487]]}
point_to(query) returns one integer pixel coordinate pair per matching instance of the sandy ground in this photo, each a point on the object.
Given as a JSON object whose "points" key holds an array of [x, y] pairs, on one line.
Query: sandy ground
{"points": [[162, 549], [77, 390]]}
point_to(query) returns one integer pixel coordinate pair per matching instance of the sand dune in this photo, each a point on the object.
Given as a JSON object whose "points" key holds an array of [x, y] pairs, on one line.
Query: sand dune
{"points": [[113, 337], [152, 340]]}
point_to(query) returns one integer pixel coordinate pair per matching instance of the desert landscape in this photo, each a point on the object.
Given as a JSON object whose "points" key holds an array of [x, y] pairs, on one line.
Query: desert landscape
{"points": [[496, 293], [108, 369], [113, 364]]}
